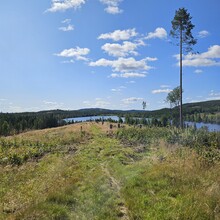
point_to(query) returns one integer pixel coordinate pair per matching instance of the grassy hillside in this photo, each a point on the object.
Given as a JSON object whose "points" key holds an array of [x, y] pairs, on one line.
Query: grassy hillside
{"points": [[87, 171]]}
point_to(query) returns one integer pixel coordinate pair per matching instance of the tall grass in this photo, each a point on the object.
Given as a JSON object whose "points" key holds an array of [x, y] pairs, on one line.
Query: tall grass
{"points": [[97, 173]]}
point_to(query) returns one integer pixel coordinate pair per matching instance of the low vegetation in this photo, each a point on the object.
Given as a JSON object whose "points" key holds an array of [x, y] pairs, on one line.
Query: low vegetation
{"points": [[89, 171]]}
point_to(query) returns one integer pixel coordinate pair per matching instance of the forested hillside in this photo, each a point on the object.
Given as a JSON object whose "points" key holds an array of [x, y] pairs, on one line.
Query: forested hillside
{"points": [[12, 123]]}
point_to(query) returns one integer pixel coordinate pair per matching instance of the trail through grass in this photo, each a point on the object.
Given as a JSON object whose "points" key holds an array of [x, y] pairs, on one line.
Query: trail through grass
{"points": [[91, 174]]}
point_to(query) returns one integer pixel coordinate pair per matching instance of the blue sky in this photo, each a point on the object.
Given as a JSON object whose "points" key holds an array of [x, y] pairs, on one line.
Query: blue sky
{"points": [[73, 54]]}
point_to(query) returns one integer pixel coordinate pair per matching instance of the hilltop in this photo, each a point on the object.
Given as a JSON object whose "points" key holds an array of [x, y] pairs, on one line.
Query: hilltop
{"points": [[89, 171]]}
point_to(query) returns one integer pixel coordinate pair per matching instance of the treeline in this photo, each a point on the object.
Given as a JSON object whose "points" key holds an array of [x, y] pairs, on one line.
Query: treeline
{"points": [[13, 123], [203, 117], [161, 122], [16, 123]]}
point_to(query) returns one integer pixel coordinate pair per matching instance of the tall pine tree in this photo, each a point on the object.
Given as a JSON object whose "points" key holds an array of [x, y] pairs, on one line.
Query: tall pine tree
{"points": [[181, 29]]}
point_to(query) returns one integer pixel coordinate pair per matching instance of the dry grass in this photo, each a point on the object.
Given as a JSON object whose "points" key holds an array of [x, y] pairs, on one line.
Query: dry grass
{"points": [[103, 179]]}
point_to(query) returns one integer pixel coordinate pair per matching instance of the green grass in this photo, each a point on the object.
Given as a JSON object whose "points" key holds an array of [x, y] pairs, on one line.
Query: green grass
{"points": [[100, 174]]}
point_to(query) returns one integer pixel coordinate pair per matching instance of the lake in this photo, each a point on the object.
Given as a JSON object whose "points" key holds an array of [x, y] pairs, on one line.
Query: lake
{"points": [[93, 118], [211, 127]]}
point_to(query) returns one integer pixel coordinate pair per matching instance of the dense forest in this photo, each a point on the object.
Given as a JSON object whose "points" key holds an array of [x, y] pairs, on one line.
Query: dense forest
{"points": [[12, 123]]}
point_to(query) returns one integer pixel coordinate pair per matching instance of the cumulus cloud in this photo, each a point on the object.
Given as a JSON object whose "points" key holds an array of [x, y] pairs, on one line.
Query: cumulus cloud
{"points": [[112, 6], [158, 91], [200, 62], [131, 100], [209, 58], [123, 64], [76, 53], [113, 10], [118, 35], [160, 33], [203, 34], [63, 5], [128, 75], [67, 28], [120, 50]]}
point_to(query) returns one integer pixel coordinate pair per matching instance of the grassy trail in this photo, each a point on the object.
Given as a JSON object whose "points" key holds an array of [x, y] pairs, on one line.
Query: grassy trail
{"points": [[65, 185], [90, 174]]}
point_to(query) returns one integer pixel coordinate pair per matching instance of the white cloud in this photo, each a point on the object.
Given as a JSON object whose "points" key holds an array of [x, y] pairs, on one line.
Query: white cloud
{"points": [[203, 34], [213, 93], [131, 100], [102, 62], [52, 105], [200, 62], [158, 33], [68, 61], [209, 58], [120, 50], [66, 21], [67, 28], [76, 53], [112, 6], [198, 71], [123, 65], [113, 10], [213, 52], [118, 35], [158, 91], [98, 103], [63, 5], [213, 98], [131, 82], [128, 75], [151, 59], [116, 90]]}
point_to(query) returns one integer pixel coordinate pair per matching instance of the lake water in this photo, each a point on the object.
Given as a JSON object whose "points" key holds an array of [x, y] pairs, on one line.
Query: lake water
{"points": [[211, 127], [92, 118]]}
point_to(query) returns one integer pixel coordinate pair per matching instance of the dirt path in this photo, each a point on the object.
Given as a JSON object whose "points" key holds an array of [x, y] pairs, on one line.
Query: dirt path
{"points": [[115, 185]]}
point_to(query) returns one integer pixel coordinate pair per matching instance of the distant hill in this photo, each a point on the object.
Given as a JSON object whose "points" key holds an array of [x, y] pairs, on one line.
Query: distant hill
{"points": [[13, 123], [188, 108], [208, 107]]}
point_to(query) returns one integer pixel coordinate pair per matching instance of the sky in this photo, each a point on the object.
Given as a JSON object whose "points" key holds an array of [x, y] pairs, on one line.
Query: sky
{"points": [[114, 54]]}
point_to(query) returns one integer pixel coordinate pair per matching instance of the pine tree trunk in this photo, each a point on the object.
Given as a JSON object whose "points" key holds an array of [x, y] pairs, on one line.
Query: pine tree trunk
{"points": [[181, 73]]}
